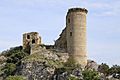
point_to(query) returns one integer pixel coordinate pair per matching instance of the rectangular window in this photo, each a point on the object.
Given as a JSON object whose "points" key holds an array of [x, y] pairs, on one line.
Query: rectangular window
{"points": [[28, 36], [68, 20], [70, 33]]}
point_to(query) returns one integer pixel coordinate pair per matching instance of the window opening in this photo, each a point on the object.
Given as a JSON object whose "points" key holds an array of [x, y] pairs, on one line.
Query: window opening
{"points": [[28, 36], [68, 20], [70, 33], [33, 41]]}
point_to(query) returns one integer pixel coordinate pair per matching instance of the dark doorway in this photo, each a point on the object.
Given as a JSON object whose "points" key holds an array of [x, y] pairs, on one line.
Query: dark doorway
{"points": [[33, 41]]}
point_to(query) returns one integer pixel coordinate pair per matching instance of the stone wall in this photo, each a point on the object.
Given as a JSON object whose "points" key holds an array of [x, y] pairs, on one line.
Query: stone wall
{"points": [[61, 42]]}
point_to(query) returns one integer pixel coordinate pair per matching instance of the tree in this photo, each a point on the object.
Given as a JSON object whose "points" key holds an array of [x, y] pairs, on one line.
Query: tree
{"points": [[104, 68], [14, 57], [90, 75], [115, 69]]}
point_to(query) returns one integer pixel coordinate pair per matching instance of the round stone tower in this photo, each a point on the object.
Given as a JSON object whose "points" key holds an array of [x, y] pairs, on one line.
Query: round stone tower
{"points": [[76, 35]]}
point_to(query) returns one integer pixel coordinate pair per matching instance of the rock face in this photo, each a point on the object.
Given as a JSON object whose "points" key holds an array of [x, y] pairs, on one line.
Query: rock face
{"points": [[49, 54], [41, 71], [41, 64], [76, 73], [36, 71], [92, 65]]}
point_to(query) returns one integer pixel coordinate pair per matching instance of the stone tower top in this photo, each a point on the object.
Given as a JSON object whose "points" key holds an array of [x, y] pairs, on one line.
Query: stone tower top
{"points": [[31, 38], [78, 9]]}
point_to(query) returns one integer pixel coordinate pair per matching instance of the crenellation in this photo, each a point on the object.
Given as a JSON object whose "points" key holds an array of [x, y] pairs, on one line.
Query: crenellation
{"points": [[77, 10]]}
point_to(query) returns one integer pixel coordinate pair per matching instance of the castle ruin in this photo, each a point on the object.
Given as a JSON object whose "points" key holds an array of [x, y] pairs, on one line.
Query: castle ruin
{"points": [[31, 39], [72, 39]]}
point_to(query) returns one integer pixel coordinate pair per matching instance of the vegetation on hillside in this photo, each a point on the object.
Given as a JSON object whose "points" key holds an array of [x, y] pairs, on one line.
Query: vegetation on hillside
{"points": [[44, 59], [15, 78], [14, 56], [90, 75]]}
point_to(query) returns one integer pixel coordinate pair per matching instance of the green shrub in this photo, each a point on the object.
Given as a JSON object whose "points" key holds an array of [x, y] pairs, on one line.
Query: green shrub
{"points": [[90, 75], [115, 69], [15, 78], [14, 57], [104, 68], [11, 51], [9, 69], [73, 78], [71, 65]]}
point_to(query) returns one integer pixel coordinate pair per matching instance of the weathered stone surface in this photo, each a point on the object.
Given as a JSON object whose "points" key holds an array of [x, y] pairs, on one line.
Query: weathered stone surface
{"points": [[66, 75], [36, 70], [92, 65], [2, 59], [2, 64], [41, 64], [50, 54]]}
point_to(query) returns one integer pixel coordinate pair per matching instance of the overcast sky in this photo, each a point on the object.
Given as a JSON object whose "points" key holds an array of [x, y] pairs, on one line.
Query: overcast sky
{"points": [[48, 18]]}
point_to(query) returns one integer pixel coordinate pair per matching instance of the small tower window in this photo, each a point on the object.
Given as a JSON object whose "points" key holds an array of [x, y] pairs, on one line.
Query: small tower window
{"points": [[68, 20], [70, 33], [33, 41], [28, 36]]}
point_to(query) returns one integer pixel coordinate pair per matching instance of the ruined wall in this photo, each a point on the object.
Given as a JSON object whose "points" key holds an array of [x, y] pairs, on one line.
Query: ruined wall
{"points": [[30, 39], [75, 35], [61, 42]]}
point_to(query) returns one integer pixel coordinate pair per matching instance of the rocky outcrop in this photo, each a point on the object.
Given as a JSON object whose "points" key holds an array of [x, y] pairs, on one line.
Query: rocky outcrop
{"points": [[92, 65], [49, 54], [41, 71], [36, 70], [76, 73], [42, 64]]}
